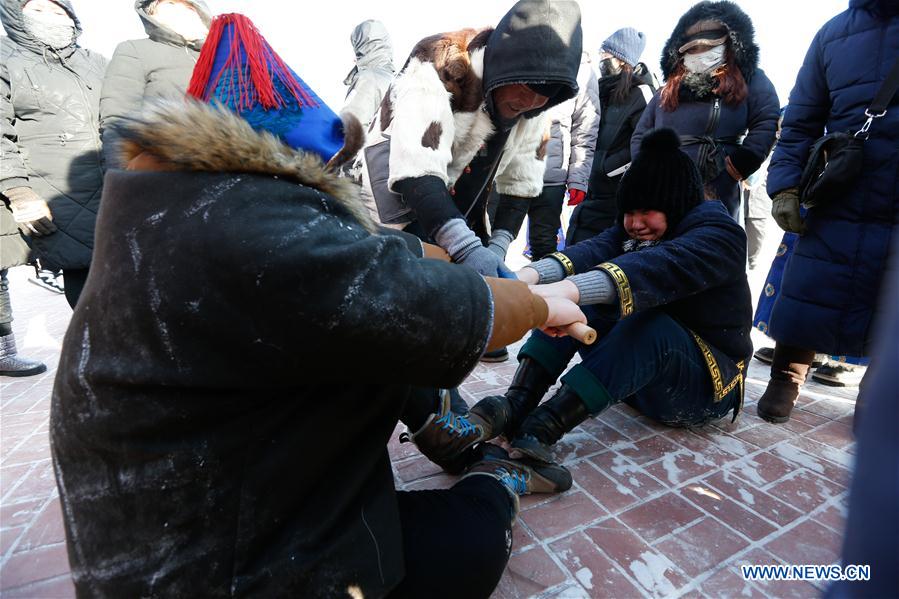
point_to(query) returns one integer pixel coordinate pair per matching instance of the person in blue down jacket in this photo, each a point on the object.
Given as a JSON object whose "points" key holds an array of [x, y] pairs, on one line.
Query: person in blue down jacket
{"points": [[715, 96], [832, 283]]}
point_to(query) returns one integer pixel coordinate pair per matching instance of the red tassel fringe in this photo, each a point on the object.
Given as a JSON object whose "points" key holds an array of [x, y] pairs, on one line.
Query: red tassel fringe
{"points": [[263, 65]]}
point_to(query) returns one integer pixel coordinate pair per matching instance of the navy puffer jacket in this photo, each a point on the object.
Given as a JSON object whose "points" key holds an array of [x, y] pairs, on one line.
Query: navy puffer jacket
{"points": [[832, 282]]}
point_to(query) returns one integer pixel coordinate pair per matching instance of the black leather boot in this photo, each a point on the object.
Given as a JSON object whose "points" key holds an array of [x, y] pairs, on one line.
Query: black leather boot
{"points": [[506, 412], [546, 425]]}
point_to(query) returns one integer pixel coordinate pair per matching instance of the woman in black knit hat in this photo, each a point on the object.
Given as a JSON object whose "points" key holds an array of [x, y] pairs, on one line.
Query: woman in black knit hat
{"points": [[666, 290]]}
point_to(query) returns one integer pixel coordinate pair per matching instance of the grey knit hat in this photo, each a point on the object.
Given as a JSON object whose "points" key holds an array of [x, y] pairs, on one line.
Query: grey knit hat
{"points": [[626, 44]]}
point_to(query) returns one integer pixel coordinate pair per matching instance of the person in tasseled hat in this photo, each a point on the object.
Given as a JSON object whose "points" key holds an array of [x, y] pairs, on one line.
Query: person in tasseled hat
{"points": [[233, 443], [625, 87], [716, 97], [666, 290]]}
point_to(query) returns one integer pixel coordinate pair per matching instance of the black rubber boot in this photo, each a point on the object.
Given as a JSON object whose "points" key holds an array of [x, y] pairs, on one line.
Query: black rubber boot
{"points": [[548, 423], [507, 412]]}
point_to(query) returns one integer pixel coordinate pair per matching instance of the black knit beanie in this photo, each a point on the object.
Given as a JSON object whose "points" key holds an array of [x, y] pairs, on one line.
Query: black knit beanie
{"points": [[661, 178]]}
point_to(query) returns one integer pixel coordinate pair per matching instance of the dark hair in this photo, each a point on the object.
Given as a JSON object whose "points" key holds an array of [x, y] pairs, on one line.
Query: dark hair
{"points": [[623, 88], [730, 86]]}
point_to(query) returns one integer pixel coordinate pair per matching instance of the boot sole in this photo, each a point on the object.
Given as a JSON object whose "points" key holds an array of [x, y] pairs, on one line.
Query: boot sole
{"points": [[832, 382], [21, 373], [495, 360], [770, 417], [526, 448]]}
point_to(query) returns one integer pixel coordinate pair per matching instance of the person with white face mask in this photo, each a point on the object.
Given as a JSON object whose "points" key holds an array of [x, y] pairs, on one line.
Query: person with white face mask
{"points": [[716, 97], [50, 165], [157, 66]]}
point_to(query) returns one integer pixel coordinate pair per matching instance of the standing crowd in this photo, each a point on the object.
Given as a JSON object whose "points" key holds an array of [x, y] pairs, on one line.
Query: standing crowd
{"points": [[378, 234]]}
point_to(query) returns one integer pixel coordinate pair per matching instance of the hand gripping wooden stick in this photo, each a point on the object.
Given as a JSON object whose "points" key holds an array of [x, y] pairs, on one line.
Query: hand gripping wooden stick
{"points": [[581, 332]]}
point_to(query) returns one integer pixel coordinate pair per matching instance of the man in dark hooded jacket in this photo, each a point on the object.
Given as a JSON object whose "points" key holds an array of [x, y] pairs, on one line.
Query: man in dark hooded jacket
{"points": [[461, 117], [159, 65], [184, 475], [51, 176]]}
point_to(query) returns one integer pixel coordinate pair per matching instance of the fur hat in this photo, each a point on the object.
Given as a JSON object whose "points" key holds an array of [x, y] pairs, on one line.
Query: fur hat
{"points": [[626, 44], [238, 69], [662, 178], [709, 21]]}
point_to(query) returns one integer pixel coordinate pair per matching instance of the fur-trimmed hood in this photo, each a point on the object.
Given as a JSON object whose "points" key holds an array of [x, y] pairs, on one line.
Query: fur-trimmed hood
{"points": [[192, 135], [741, 35]]}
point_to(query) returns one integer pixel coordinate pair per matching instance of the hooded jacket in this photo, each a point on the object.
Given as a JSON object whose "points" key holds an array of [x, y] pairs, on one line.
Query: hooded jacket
{"points": [[831, 285], [159, 65], [180, 475], [371, 76], [745, 132], [573, 127], [50, 103], [435, 122]]}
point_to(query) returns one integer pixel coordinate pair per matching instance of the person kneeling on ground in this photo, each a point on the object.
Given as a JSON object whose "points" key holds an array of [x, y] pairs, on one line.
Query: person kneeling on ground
{"points": [[240, 355], [666, 290]]}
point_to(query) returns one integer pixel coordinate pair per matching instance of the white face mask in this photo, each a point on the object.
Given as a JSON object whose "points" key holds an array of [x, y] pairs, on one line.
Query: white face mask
{"points": [[705, 61], [181, 19], [56, 28]]}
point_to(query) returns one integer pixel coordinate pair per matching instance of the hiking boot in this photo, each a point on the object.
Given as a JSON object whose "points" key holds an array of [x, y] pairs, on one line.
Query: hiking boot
{"points": [[839, 374], [548, 423], [789, 370], [520, 477], [506, 412], [10, 362], [447, 437]]}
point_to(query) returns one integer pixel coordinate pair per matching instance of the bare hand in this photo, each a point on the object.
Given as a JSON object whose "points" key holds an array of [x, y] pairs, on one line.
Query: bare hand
{"points": [[528, 275], [562, 312], [564, 289]]}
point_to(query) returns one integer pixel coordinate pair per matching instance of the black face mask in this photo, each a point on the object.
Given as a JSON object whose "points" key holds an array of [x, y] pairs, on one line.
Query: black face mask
{"points": [[607, 68]]}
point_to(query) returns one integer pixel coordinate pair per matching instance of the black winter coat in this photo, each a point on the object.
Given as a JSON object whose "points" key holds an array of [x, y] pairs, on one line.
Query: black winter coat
{"points": [[696, 275], [233, 370], [157, 66], [613, 151], [49, 102]]}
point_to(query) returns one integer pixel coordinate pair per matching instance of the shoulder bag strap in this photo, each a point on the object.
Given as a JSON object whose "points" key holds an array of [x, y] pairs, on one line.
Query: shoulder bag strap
{"points": [[882, 99]]}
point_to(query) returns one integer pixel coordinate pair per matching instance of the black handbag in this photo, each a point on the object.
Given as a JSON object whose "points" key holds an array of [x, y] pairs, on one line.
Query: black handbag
{"points": [[835, 160]]}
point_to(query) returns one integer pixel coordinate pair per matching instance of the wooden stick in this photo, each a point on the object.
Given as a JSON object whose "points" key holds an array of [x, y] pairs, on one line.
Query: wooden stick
{"points": [[581, 332]]}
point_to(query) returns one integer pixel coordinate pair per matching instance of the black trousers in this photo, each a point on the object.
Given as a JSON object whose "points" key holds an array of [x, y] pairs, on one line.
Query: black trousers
{"points": [[456, 542], [544, 220], [73, 279]]}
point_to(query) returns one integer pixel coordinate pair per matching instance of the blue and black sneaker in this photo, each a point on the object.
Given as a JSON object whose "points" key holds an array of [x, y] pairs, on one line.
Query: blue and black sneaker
{"points": [[521, 476], [448, 438]]}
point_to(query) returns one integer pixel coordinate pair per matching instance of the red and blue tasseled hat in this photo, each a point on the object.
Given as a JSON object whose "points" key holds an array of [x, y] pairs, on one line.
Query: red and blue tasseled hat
{"points": [[239, 69]]}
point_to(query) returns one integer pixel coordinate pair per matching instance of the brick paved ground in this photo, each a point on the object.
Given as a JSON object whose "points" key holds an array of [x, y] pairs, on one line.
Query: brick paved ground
{"points": [[653, 512]]}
